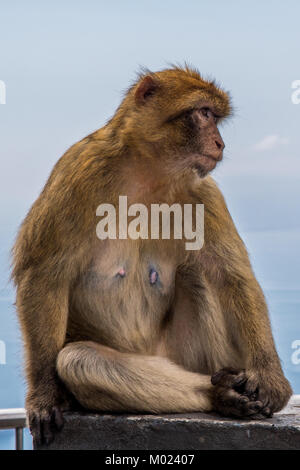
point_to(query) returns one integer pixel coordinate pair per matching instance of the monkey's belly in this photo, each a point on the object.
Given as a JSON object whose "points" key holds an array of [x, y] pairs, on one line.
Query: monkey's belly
{"points": [[123, 302]]}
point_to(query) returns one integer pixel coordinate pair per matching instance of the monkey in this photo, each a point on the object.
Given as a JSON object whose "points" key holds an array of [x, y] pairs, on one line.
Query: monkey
{"points": [[143, 325]]}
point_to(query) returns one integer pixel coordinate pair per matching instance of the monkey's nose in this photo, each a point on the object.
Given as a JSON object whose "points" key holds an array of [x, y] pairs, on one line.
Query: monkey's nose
{"points": [[220, 144]]}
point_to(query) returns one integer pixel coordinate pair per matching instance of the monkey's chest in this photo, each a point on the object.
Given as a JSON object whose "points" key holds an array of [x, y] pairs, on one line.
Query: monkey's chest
{"points": [[125, 294]]}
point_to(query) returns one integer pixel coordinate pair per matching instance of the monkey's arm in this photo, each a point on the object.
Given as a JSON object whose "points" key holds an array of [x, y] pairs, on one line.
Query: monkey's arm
{"points": [[43, 310], [49, 251], [245, 311]]}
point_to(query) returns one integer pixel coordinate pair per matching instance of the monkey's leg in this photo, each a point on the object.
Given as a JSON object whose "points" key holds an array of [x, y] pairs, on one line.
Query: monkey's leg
{"points": [[107, 380]]}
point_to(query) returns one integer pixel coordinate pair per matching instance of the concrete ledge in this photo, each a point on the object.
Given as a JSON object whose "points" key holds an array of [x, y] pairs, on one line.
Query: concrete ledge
{"points": [[196, 431]]}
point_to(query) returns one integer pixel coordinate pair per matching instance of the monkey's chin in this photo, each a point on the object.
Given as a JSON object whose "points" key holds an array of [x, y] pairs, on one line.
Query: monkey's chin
{"points": [[204, 166]]}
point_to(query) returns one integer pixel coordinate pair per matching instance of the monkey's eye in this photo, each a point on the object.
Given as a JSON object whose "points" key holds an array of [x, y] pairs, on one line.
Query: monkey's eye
{"points": [[208, 114]]}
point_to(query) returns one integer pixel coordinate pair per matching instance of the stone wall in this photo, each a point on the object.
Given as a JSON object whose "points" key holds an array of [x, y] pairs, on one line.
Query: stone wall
{"points": [[179, 431]]}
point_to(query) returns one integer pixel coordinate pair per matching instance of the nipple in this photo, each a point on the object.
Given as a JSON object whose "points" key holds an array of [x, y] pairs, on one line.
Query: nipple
{"points": [[121, 272], [153, 276]]}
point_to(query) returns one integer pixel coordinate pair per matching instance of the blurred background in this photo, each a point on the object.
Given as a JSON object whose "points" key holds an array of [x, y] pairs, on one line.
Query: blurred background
{"points": [[64, 65]]}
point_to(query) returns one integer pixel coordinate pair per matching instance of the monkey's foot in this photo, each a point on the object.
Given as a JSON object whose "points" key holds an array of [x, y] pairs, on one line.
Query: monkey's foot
{"points": [[231, 397]]}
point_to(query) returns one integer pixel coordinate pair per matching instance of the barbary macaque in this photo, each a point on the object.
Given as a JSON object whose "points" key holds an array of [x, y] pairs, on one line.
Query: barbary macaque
{"points": [[143, 325]]}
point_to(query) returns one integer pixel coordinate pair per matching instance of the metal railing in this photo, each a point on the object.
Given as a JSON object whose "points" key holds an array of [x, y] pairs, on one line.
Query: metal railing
{"points": [[14, 418]]}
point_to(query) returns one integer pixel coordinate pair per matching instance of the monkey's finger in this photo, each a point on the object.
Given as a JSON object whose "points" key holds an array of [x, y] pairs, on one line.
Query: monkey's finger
{"points": [[243, 399], [57, 418], [251, 387], [233, 400], [217, 376], [47, 432], [253, 408], [232, 403], [226, 376], [264, 397], [35, 428], [267, 412], [263, 414], [239, 383]]}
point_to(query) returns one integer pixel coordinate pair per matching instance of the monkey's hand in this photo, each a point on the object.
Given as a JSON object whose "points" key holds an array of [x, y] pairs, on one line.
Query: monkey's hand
{"points": [[44, 407], [248, 395], [269, 386]]}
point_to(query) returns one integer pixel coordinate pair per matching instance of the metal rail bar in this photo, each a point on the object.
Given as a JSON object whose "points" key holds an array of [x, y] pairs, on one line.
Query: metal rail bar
{"points": [[19, 439], [14, 418]]}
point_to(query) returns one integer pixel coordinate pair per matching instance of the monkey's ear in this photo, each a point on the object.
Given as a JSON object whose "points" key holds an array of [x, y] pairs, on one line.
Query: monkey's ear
{"points": [[145, 89]]}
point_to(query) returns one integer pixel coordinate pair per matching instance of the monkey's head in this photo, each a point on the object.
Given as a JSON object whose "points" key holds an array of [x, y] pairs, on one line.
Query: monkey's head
{"points": [[174, 116]]}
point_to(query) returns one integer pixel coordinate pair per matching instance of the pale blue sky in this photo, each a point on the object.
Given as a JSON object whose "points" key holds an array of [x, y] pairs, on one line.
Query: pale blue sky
{"points": [[65, 64]]}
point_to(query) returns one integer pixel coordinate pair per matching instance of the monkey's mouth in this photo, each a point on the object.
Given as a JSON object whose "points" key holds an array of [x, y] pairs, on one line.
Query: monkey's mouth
{"points": [[204, 164]]}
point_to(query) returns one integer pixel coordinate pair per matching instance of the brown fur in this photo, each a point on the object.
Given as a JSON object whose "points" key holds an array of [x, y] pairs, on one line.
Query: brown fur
{"points": [[119, 344]]}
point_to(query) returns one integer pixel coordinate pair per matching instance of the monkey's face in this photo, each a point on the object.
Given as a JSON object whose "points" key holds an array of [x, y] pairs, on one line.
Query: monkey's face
{"points": [[199, 143], [177, 116]]}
